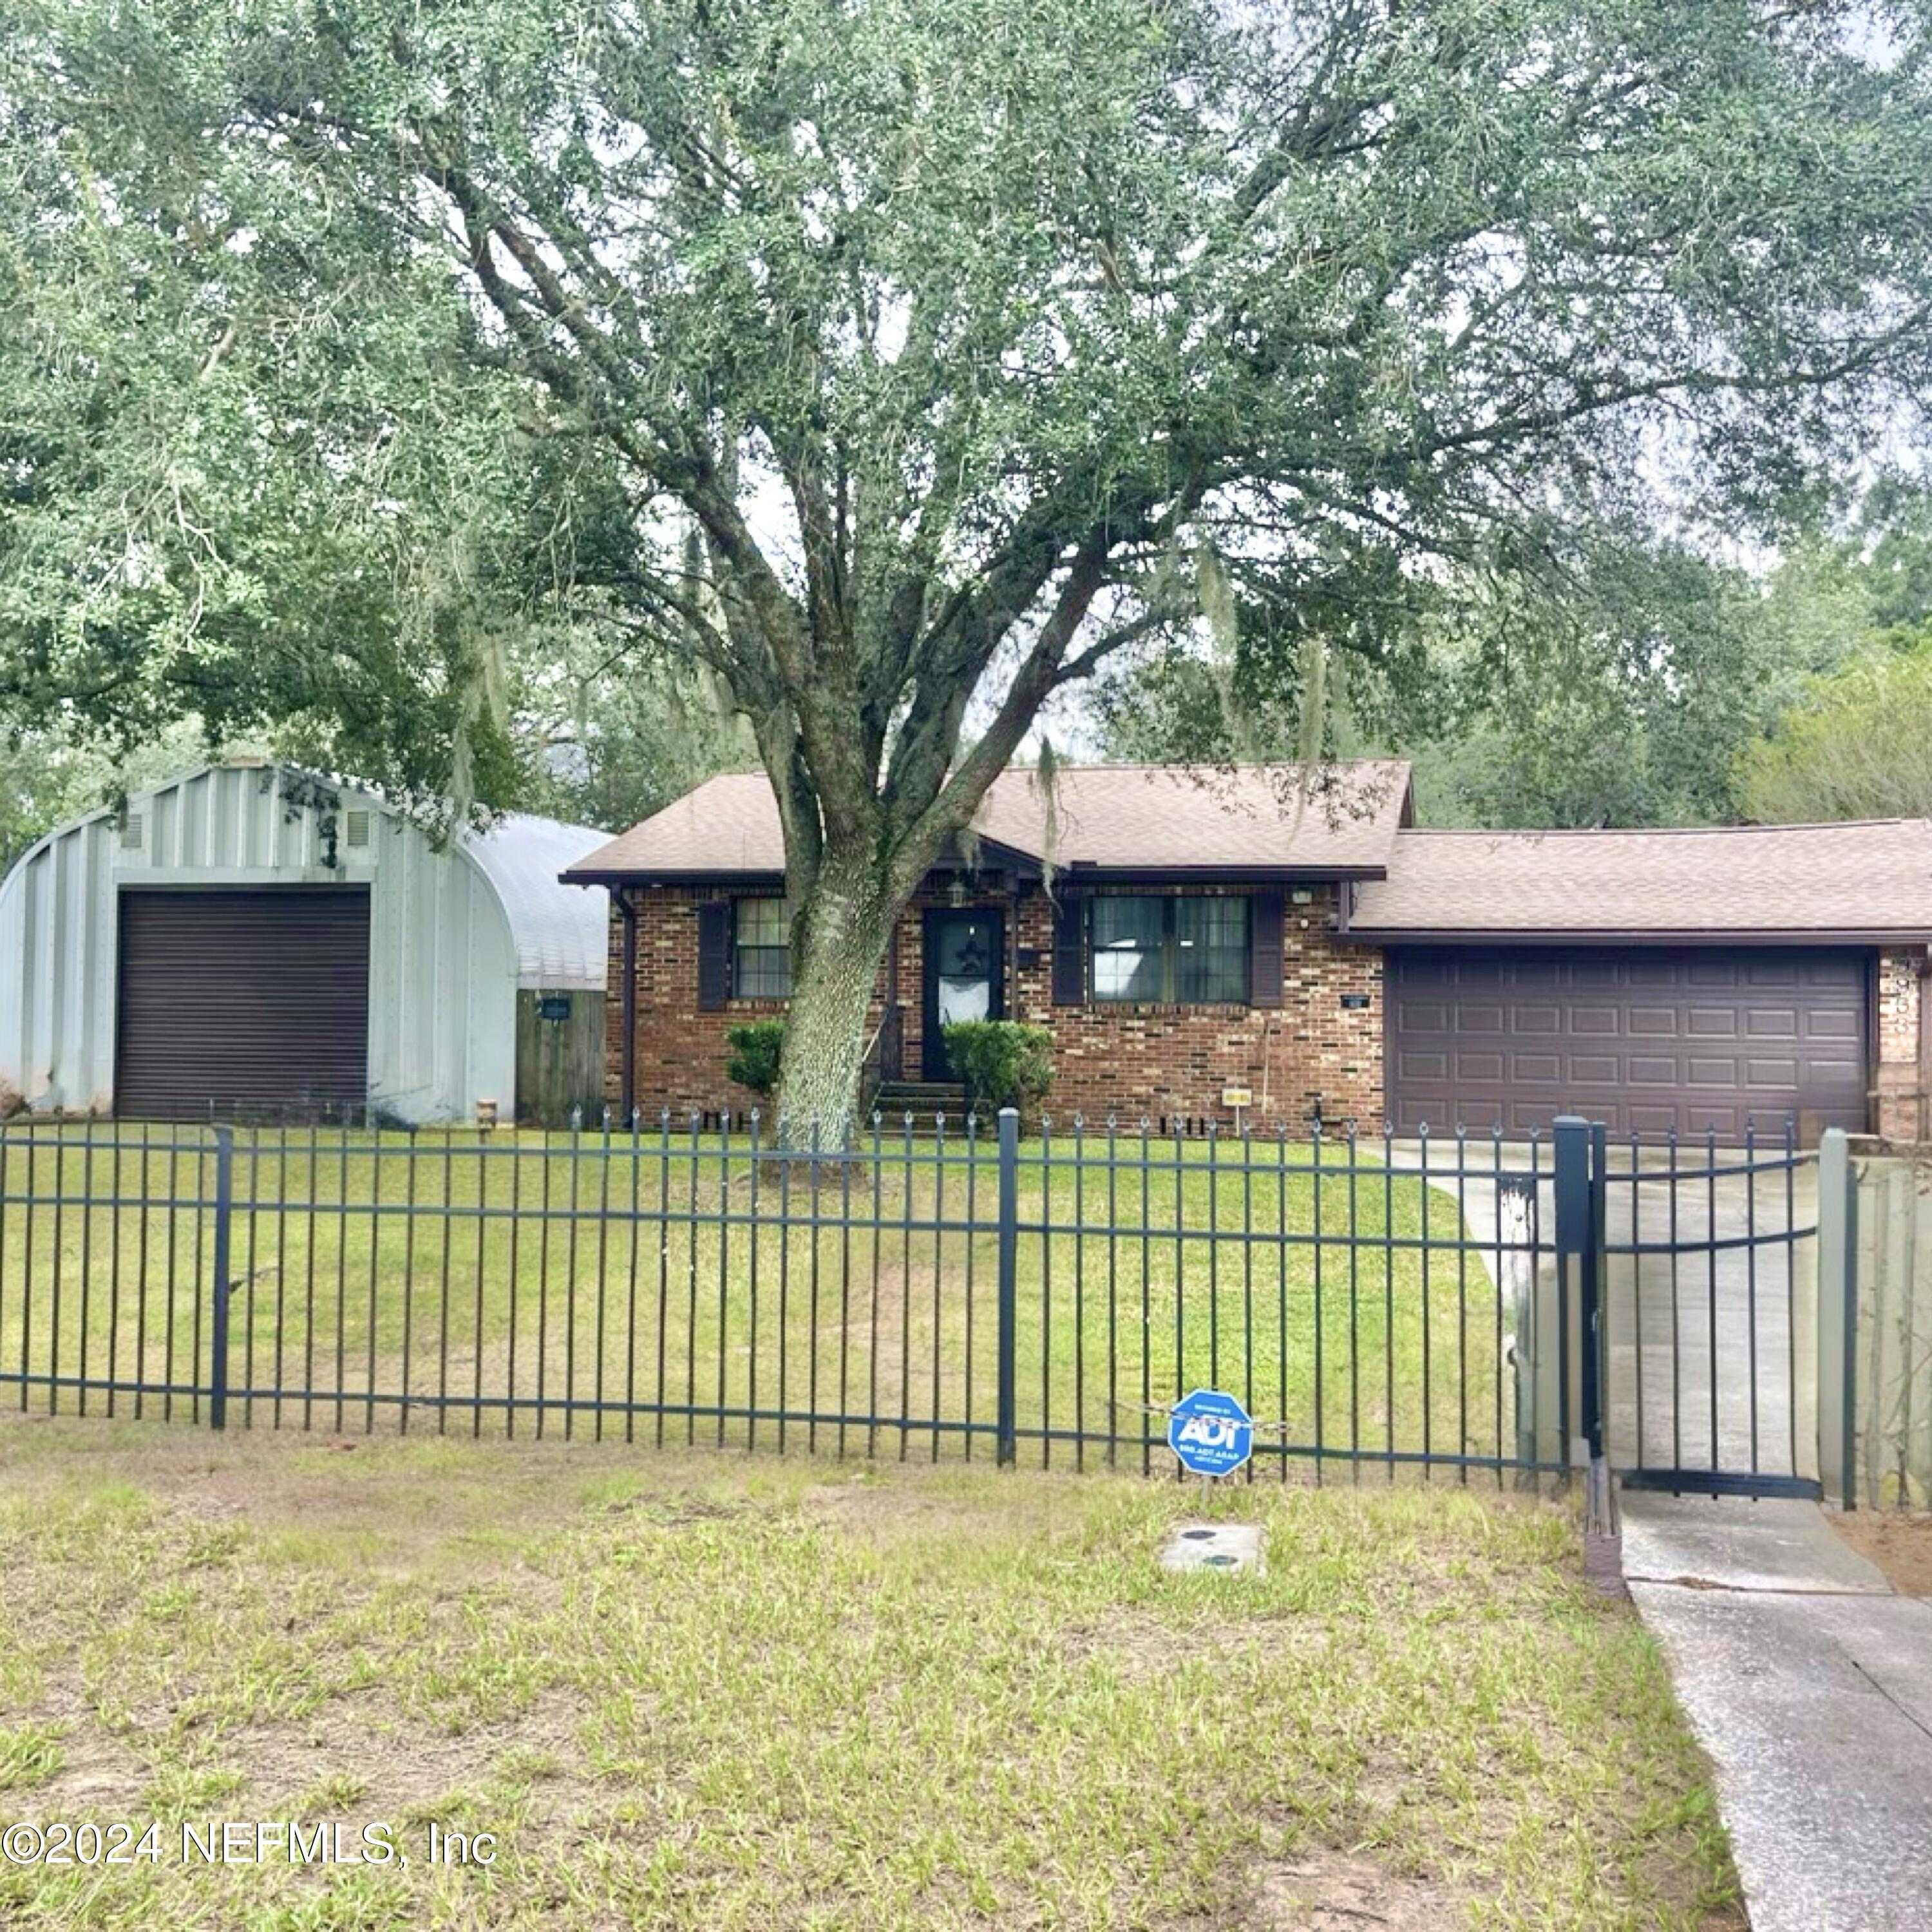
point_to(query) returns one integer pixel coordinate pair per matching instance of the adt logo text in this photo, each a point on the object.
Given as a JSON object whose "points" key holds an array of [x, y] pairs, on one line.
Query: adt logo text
{"points": [[1210, 1432]]}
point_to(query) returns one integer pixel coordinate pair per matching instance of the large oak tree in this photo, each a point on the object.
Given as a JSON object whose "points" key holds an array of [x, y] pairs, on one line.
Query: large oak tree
{"points": [[904, 361]]}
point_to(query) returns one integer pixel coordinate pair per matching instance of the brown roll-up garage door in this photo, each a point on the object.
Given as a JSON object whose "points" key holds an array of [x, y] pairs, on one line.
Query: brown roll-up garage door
{"points": [[1704, 1040], [242, 1003]]}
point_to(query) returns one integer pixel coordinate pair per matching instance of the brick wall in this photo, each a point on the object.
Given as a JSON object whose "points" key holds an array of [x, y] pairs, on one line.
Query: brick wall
{"points": [[1902, 1100], [1159, 1061], [1162, 1061]]}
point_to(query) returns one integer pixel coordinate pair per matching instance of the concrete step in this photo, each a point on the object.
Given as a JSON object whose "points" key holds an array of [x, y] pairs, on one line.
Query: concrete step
{"points": [[897, 1097]]}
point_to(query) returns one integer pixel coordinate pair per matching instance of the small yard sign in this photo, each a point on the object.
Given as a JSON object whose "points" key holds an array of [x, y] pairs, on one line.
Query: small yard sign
{"points": [[1210, 1432], [1237, 1096]]}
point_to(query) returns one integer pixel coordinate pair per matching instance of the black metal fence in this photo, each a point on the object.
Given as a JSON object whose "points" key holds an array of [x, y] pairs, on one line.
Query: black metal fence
{"points": [[1379, 1306], [943, 1293]]}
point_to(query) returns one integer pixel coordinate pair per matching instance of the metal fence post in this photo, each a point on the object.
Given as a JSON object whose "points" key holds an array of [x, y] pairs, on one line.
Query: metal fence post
{"points": [[1571, 1161], [217, 1362], [1591, 1335], [1570, 1147], [1581, 1156], [1837, 1319], [1009, 1296]]}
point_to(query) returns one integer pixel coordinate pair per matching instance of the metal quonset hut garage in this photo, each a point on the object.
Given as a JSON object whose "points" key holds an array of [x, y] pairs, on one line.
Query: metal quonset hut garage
{"points": [[253, 941]]}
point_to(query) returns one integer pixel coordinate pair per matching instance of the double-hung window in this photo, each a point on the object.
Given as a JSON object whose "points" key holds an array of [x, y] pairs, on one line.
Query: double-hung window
{"points": [[761, 950], [1189, 950], [1129, 948]]}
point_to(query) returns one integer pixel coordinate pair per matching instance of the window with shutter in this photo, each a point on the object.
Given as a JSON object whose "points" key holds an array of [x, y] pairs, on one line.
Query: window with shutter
{"points": [[761, 950], [1191, 950]]}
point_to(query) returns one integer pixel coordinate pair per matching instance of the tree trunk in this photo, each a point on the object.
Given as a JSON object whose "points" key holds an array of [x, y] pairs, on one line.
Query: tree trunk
{"points": [[841, 939]]}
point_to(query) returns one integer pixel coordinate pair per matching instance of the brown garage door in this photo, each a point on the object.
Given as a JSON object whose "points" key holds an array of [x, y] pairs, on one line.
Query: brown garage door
{"points": [[243, 1004], [1646, 1041]]}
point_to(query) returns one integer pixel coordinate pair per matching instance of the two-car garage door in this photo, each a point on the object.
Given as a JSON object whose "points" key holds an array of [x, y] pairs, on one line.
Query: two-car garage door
{"points": [[1705, 1040], [242, 1003]]}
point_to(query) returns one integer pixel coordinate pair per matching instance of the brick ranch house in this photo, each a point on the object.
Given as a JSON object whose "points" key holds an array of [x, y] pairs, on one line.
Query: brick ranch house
{"points": [[1184, 934]]}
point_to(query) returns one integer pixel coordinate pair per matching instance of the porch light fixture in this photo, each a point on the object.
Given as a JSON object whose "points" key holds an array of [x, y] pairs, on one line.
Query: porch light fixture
{"points": [[956, 892]]}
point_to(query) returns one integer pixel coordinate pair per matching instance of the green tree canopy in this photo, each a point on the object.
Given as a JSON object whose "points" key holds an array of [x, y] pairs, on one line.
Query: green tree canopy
{"points": [[1857, 745], [888, 357], [607, 742], [1624, 700]]}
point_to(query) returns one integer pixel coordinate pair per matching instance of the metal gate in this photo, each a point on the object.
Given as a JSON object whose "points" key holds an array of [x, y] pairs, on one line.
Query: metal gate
{"points": [[1701, 1262]]}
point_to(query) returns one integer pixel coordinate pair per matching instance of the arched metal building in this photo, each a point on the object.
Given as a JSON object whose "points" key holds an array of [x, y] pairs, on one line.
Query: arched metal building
{"points": [[257, 941]]}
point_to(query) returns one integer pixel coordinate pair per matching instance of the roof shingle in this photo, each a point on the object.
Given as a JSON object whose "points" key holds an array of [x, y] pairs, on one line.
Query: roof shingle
{"points": [[1112, 817], [1870, 879]]}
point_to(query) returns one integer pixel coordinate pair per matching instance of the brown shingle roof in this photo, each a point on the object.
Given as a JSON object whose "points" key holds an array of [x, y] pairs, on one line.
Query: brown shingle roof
{"points": [[1868, 880], [1112, 817]]}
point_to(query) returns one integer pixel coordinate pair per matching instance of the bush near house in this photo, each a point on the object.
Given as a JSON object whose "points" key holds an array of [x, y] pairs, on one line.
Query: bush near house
{"points": [[1001, 1064], [755, 1048]]}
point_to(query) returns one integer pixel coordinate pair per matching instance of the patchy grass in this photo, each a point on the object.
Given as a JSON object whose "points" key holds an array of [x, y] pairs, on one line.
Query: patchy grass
{"points": [[30, 1754], [732, 1693], [657, 1283]]}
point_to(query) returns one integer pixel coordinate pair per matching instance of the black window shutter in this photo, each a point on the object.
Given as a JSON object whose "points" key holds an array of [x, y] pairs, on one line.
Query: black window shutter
{"points": [[1070, 952], [714, 955], [1265, 950]]}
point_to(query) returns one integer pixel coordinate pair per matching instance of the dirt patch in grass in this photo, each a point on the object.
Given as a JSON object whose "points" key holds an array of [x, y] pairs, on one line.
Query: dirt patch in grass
{"points": [[1140, 1648], [1342, 1891], [872, 1501], [96, 1767], [416, 1769], [1898, 1541], [315, 1484]]}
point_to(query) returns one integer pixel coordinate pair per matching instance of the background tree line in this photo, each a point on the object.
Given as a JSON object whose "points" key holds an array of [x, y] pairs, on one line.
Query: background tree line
{"points": [[1667, 689]]}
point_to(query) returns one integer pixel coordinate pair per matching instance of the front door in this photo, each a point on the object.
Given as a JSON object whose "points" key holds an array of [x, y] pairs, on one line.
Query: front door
{"points": [[965, 952]]}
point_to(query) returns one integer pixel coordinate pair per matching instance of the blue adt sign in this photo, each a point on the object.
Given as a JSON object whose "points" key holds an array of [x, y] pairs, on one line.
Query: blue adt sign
{"points": [[1211, 1433]]}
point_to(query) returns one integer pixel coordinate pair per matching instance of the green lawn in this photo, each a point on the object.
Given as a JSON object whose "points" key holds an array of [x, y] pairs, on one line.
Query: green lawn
{"points": [[566, 1274], [690, 1690]]}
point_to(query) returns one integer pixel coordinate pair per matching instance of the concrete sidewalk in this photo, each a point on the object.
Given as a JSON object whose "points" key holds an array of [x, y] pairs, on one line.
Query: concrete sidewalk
{"points": [[1809, 1684]]}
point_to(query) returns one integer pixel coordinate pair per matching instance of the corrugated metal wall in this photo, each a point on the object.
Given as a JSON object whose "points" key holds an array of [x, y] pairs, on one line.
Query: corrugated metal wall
{"points": [[443, 968]]}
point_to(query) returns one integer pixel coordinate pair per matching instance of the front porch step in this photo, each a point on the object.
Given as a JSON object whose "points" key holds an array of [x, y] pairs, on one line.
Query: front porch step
{"points": [[924, 1098]]}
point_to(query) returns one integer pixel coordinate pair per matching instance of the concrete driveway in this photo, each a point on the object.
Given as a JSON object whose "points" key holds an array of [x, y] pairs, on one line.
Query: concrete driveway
{"points": [[1809, 1685], [1707, 1309], [1805, 1678]]}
